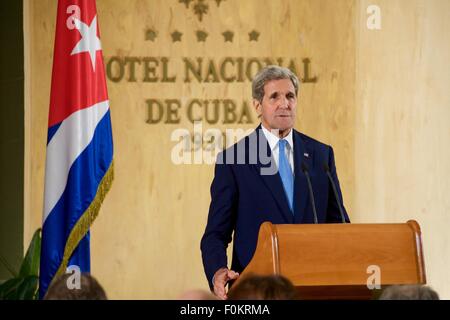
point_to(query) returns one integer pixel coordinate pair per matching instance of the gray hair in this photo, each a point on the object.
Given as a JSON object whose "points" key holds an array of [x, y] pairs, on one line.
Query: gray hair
{"points": [[409, 292], [269, 73]]}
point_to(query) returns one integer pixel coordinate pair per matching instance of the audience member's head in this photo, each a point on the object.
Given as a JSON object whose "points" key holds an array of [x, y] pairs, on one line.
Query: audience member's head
{"points": [[254, 287], [409, 292], [197, 294], [63, 289]]}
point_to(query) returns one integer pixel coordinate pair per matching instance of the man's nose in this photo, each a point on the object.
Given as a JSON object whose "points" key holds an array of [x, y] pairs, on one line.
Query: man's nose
{"points": [[283, 103]]}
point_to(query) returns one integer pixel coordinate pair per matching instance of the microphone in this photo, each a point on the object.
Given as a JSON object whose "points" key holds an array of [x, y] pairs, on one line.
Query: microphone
{"points": [[311, 194], [326, 168]]}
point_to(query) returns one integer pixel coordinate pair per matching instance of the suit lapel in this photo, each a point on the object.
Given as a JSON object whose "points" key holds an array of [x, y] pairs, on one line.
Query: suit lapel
{"points": [[272, 181], [301, 193]]}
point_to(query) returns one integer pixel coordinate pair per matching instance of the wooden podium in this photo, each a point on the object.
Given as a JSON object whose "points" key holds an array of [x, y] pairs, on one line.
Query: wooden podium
{"points": [[334, 261]]}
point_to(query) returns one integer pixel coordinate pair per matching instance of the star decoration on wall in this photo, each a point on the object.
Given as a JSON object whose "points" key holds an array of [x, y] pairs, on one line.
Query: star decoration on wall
{"points": [[151, 34], [200, 9], [253, 36], [228, 36], [218, 2], [186, 2], [176, 36], [201, 35]]}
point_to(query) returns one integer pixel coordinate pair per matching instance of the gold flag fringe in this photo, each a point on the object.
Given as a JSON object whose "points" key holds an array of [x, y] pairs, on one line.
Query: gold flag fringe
{"points": [[85, 221]]}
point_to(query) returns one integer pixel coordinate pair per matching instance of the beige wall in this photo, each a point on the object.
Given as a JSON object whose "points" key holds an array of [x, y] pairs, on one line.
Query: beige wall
{"points": [[402, 133], [384, 127]]}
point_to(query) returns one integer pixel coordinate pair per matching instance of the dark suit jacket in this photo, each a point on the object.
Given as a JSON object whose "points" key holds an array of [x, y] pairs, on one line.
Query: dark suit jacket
{"points": [[242, 198]]}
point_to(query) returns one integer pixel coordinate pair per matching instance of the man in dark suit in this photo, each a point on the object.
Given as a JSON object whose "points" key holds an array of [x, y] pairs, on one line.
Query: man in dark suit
{"points": [[262, 178]]}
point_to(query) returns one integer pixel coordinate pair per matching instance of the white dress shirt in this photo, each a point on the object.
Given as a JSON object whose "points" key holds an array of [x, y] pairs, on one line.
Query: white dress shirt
{"points": [[273, 143]]}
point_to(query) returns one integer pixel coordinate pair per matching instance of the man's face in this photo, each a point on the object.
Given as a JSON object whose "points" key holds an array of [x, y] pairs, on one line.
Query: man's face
{"points": [[278, 107]]}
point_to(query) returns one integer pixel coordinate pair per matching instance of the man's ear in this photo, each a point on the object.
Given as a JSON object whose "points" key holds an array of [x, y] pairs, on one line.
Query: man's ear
{"points": [[258, 107]]}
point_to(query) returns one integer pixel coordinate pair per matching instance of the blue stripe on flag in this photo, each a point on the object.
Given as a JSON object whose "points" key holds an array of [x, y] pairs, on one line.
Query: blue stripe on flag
{"points": [[84, 177], [51, 131]]}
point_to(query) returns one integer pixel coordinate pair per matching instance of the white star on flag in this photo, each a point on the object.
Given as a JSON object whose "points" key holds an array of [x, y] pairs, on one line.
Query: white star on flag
{"points": [[89, 41]]}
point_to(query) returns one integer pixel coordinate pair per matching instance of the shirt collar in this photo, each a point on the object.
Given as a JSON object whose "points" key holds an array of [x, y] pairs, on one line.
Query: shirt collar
{"points": [[273, 139]]}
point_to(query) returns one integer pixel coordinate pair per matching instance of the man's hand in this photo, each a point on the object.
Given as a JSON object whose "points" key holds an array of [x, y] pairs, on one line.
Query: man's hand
{"points": [[221, 277]]}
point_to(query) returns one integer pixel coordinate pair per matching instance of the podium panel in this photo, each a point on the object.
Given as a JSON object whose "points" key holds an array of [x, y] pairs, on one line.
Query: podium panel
{"points": [[335, 261]]}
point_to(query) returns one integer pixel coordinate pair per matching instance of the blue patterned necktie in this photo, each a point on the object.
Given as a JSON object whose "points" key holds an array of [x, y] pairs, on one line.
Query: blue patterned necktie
{"points": [[286, 173]]}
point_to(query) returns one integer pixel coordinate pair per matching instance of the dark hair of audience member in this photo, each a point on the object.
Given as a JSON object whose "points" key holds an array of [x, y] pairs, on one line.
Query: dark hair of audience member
{"points": [[256, 287], [89, 289]]}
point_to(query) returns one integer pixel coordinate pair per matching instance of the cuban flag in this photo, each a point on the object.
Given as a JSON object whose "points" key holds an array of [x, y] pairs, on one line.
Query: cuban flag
{"points": [[79, 162]]}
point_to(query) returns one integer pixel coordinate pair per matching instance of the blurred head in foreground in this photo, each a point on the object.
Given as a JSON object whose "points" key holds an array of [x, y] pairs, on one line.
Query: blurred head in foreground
{"points": [[409, 292], [66, 288], [255, 287]]}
